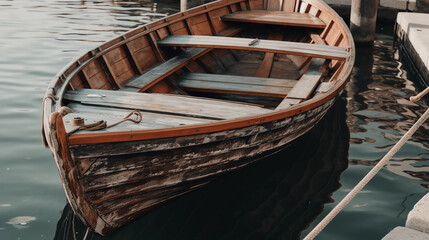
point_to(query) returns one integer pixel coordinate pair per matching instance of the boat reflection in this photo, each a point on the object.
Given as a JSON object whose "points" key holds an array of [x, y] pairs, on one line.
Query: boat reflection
{"points": [[277, 197]]}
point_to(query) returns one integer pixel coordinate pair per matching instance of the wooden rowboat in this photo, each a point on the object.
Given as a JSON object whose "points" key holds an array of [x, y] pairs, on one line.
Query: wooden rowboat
{"points": [[213, 89]]}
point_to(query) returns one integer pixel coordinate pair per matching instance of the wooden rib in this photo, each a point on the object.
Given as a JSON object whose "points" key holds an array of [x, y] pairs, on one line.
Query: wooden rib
{"points": [[234, 55], [155, 46], [315, 38], [203, 66], [188, 26], [243, 6], [264, 69], [335, 64], [133, 60], [84, 79], [289, 5], [229, 8], [327, 29], [218, 62], [276, 18], [303, 49], [110, 75], [274, 5], [251, 6], [209, 19]]}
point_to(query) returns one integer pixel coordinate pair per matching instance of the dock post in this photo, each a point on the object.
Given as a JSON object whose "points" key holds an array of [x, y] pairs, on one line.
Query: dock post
{"points": [[185, 4], [422, 6], [363, 18]]}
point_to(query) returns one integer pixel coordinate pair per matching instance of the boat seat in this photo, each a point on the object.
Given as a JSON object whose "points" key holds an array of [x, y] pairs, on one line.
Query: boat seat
{"points": [[284, 47], [217, 83], [168, 104], [275, 18], [163, 70], [156, 74], [306, 84]]}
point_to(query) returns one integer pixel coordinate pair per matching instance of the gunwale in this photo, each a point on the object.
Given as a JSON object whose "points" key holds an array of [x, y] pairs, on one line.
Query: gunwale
{"points": [[59, 83]]}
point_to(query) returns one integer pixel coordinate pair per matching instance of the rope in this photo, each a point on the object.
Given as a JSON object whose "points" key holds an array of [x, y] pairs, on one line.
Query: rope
{"points": [[86, 234], [54, 100], [337, 209], [103, 124], [420, 95]]}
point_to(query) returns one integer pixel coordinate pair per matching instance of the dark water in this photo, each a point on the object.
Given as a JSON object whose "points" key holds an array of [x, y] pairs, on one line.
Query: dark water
{"points": [[274, 199]]}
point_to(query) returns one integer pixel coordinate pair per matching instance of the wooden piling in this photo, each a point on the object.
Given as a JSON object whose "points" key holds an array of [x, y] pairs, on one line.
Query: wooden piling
{"points": [[185, 4], [363, 19]]}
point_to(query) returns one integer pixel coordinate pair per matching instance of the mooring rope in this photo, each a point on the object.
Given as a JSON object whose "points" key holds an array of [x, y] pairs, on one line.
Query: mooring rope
{"points": [[103, 124], [337, 209], [86, 234]]}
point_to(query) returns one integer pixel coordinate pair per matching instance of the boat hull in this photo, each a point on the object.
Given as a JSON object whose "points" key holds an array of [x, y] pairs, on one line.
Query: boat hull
{"points": [[124, 182]]}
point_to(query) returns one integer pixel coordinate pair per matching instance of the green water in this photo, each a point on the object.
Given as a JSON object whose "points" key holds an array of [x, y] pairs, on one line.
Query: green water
{"points": [[38, 38]]}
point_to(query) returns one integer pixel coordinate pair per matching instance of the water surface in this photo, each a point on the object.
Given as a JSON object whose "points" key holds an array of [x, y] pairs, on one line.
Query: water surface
{"points": [[38, 38]]}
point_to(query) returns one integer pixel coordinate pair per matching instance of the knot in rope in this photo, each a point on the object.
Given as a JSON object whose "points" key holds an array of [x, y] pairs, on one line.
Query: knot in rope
{"points": [[102, 124]]}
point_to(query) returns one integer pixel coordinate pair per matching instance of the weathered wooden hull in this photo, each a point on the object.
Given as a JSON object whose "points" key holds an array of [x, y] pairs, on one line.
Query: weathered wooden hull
{"points": [[122, 185], [112, 177], [276, 192]]}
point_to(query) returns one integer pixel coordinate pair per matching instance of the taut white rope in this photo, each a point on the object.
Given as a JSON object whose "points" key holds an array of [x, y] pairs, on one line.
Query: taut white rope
{"points": [[337, 209]]}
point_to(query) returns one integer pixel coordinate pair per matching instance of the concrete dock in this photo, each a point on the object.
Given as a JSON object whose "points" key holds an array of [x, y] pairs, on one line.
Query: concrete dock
{"points": [[413, 32], [403, 5], [417, 225], [387, 9]]}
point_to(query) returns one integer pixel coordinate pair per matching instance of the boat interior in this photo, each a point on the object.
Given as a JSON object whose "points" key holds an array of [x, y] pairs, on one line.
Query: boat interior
{"points": [[221, 61]]}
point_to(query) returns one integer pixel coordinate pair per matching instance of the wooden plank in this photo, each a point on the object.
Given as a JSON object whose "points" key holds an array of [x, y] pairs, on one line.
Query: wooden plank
{"points": [[153, 42], [156, 74], [316, 38], [287, 102], [305, 86], [253, 86], [238, 79], [93, 114], [266, 64], [163, 70], [274, 5], [284, 47], [164, 103], [308, 81], [133, 60], [289, 5], [276, 18]]}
